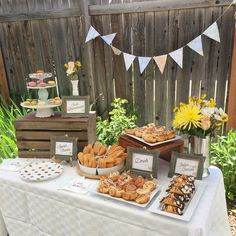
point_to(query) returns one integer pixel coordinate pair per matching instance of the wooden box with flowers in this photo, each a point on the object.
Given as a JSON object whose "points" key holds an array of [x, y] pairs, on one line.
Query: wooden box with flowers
{"points": [[199, 120], [33, 134]]}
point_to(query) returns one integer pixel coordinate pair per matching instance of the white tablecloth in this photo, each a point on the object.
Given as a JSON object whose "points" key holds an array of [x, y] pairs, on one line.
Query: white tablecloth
{"points": [[29, 209]]}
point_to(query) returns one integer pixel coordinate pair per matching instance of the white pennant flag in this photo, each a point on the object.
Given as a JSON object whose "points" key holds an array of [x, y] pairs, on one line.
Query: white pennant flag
{"points": [[213, 32], [109, 38], [92, 34], [196, 45], [129, 58], [177, 56], [116, 50], [143, 62], [161, 62]]}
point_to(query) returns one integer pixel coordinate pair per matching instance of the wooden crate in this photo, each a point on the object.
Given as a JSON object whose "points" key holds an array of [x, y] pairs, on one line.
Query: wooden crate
{"points": [[165, 148], [33, 134]]}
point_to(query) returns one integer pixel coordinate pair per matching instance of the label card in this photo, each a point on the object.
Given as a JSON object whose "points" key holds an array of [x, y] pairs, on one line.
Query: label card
{"points": [[143, 162], [182, 163], [187, 167], [63, 148], [75, 106]]}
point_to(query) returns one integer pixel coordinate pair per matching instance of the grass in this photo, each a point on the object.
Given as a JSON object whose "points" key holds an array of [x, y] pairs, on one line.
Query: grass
{"points": [[8, 147]]}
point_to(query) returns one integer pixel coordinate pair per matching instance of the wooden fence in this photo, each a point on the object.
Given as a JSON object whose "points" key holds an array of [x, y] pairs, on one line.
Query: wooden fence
{"points": [[46, 34]]}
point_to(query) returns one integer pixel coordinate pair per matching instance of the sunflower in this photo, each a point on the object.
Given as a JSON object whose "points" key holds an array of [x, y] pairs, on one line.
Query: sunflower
{"points": [[188, 117]]}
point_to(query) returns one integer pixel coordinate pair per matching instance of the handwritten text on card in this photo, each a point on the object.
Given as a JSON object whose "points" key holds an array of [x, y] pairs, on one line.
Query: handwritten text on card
{"points": [[187, 167], [142, 162], [63, 148], [75, 107]]}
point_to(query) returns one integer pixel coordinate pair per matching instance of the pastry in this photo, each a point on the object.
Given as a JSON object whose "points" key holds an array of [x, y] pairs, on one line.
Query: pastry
{"points": [[32, 84], [97, 147], [57, 102], [139, 181], [149, 138], [102, 150], [42, 84], [27, 103], [51, 83], [172, 209], [130, 131], [34, 103], [142, 199], [143, 191], [150, 185]]}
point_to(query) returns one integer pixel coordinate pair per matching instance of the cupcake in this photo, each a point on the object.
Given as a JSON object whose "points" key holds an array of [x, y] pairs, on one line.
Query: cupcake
{"points": [[32, 84], [51, 83]]}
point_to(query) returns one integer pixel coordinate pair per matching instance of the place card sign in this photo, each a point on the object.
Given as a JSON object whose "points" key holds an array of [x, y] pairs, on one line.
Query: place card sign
{"points": [[75, 106], [63, 148], [143, 162], [186, 164]]}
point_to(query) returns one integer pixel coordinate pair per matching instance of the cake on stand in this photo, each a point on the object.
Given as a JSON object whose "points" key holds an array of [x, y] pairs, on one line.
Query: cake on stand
{"points": [[43, 105]]}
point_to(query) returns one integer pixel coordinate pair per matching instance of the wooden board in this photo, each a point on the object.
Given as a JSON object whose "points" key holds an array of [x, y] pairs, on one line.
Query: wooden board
{"points": [[33, 134]]}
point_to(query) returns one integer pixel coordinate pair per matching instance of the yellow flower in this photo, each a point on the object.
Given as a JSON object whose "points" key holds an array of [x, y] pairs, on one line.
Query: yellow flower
{"points": [[66, 66], [212, 103], [78, 63], [188, 117], [225, 118], [203, 96], [175, 109], [181, 104]]}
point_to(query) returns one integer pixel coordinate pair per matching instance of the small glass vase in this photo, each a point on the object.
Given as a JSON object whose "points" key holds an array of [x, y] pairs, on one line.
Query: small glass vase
{"points": [[201, 146], [75, 91]]}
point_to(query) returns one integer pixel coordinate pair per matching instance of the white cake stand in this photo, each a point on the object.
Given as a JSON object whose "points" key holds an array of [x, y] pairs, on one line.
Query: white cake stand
{"points": [[42, 111], [45, 110]]}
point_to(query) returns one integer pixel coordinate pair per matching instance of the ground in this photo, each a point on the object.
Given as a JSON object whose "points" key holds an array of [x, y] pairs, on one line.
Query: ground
{"points": [[232, 217]]}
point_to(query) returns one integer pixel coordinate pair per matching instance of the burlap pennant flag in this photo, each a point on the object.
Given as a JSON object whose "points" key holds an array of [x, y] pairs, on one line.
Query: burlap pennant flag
{"points": [[161, 62], [116, 50]]}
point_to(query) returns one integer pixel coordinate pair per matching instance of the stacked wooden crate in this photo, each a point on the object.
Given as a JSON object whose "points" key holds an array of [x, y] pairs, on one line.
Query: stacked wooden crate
{"points": [[33, 134]]}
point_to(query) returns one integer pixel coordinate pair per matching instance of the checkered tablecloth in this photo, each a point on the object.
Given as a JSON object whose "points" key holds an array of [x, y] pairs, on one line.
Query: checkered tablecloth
{"points": [[39, 209]]}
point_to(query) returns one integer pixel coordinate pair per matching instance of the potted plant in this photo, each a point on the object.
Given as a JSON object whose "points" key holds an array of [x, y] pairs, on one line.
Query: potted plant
{"points": [[199, 119], [73, 68]]}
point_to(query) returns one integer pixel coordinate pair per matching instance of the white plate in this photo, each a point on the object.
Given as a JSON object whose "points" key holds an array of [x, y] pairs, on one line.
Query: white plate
{"points": [[40, 171], [189, 207], [40, 107], [153, 193], [41, 77], [157, 143], [38, 87]]}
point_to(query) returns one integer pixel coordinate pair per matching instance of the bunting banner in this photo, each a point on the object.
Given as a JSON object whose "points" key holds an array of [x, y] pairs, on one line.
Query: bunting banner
{"points": [[196, 45], [109, 38], [129, 58], [177, 56], [161, 62], [92, 34], [143, 62], [116, 50], [213, 32]]}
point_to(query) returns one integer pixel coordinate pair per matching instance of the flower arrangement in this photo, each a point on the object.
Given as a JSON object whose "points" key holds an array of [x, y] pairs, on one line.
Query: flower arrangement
{"points": [[73, 69], [199, 117]]}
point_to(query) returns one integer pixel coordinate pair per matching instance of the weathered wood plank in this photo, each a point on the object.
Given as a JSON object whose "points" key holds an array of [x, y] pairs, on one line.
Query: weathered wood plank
{"points": [[232, 90], [153, 6], [161, 80], [138, 25], [149, 72], [198, 62], [4, 90], [45, 135], [40, 15]]}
